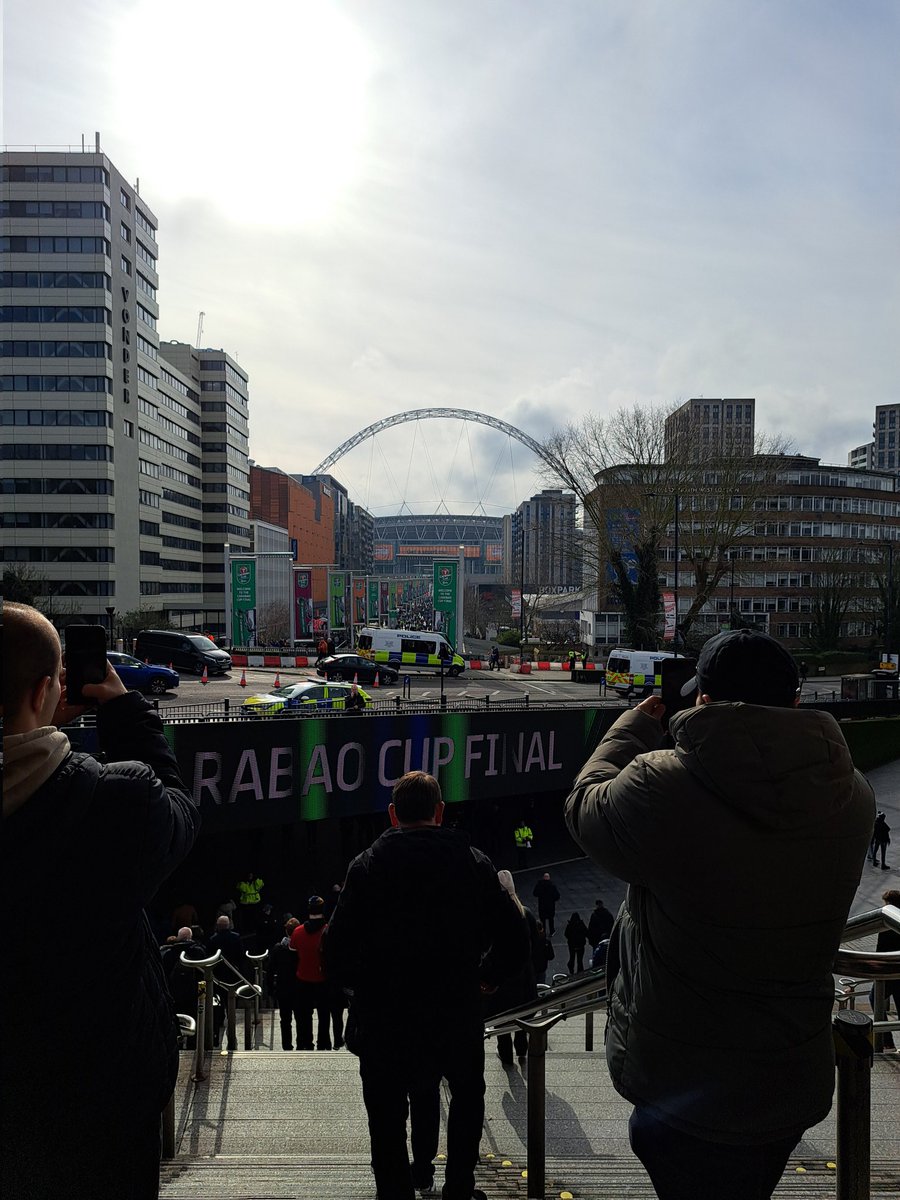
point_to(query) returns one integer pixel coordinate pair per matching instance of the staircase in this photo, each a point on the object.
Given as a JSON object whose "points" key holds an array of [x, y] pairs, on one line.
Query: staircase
{"points": [[292, 1124]]}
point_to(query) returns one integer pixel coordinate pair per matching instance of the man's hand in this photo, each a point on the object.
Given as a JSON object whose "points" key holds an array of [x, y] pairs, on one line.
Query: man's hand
{"points": [[653, 707], [97, 693]]}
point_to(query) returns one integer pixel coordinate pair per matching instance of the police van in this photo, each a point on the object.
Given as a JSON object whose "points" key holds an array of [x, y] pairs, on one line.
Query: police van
{"points": [[635, 672], [409, 649]]}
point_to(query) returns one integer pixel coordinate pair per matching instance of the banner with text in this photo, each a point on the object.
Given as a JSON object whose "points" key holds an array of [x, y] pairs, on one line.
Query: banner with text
{"points": [[303, 602], [359, 600], [243, 602], [668, 599], [337, 599], [445, 615]]}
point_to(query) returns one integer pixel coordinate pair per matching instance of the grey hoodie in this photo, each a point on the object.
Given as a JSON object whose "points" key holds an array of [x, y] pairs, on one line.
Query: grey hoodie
{"points": [[743, 847]]}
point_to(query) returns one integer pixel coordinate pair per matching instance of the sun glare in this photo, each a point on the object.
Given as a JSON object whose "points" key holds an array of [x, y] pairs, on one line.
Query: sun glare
{"points": [[257, 108]]}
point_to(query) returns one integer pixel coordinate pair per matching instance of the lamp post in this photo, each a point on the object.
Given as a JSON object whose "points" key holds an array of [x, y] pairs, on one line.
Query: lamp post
{"points": [[675, 587], [731, 555], [889, 596], [110, 613], [522, 591]]}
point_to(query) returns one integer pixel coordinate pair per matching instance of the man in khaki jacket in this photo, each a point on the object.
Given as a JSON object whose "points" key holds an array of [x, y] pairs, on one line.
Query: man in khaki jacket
{"points": [[742, 847]]}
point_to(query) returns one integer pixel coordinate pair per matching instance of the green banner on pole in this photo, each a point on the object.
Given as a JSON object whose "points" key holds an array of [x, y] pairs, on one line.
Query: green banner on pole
{"points": [[243, 601], [337, 600], [372, 602], [445, 575]]}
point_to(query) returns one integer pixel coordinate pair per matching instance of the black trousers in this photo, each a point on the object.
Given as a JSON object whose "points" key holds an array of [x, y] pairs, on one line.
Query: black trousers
{"points": [[312, 998], [682, 1167], [404, 1080], [287, 1014], [576, 956]]}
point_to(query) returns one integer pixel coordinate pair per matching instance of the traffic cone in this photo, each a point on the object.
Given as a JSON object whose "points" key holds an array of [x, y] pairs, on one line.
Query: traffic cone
{"points": [[356, 679], [375, 680], [243, 678], [277, 679], [204, 678]]}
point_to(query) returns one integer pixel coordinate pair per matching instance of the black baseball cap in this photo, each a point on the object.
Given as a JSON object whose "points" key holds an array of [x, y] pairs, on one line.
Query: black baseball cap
{"points": [[744, 664]]}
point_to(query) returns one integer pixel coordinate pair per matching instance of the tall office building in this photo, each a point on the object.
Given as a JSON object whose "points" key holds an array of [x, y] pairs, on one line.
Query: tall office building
{"points": [[885, 435], [701, 427], [109, 455]]}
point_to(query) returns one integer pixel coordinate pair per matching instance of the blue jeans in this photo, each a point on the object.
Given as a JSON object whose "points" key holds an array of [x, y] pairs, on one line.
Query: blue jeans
{"points": [[682, 1167]]}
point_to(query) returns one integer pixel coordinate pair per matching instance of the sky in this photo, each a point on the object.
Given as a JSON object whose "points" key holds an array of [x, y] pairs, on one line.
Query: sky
{"points": [[531, 209]]}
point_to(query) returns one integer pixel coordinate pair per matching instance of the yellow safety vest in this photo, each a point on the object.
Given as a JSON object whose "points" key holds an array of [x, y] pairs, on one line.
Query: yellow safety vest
{"points": [[523, 836], [249, 892]]}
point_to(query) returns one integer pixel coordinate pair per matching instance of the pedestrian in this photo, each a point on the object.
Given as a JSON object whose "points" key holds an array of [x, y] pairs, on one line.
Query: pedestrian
{"points": [[282, 966], [542, 953], [521, 987], [248, 892], [758, 801], [312, 987], [576, 935], [75, 1066], [572, 658], [355, 701], [523, 838], [184, 914], [419, 911], [494, 661], [321, 650], [600, 924], [182, 981], [881, 839], [889, 940], [228, 940], [547, 894], [268, 929]]}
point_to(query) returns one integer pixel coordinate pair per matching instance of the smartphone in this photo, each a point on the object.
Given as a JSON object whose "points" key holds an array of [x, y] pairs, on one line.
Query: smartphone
{"points": [[85, 659], [675, 673]]}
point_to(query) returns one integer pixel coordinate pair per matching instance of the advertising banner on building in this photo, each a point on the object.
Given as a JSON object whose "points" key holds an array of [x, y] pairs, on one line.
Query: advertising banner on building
{"points": [[372, 602], [337, 599], [359, 600], [516, 596], [445, 615], [243, 602], [303, 602], [382, 602], [668, 599]]}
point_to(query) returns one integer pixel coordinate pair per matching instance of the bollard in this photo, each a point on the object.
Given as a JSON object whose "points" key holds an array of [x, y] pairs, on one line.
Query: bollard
{"points": [[853, 1051], [227, 706]]}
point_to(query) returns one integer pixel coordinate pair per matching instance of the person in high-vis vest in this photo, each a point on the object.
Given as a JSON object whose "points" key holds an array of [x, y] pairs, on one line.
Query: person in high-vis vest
{"points": [[248, 891], [524, 837]]}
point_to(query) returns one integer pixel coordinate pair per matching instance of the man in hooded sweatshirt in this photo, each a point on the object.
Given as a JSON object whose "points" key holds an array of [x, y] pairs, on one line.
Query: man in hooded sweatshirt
{"points": [[742, 847], [85, 1082]]}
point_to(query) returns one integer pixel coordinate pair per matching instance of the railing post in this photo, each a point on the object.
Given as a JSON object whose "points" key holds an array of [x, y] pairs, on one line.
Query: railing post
{"points": [[536, 1114], [231, 1020], [209, 1033], [168, 1128], [589, 1031], [879, 1013], [853, 1050], [204, 1001], [248, 1025]]}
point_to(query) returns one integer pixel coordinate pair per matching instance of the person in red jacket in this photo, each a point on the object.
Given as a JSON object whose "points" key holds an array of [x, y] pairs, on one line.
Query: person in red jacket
{"points": [[312, 987]]}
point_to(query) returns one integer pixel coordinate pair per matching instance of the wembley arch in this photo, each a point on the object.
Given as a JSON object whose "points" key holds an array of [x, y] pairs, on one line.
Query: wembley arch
{"points": [[431, 414]]}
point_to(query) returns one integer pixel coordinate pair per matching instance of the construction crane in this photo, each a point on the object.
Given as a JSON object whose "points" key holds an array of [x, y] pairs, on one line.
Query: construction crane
{"points": [[200, 328]]}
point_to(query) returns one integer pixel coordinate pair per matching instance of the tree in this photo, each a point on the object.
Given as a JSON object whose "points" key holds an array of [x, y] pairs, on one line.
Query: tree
{"points": [[129, 624], [836, 587], [641, 493], [24, 585], [273, 623]]}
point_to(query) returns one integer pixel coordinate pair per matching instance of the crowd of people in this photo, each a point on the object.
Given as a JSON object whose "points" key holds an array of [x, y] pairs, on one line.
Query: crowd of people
{"points": [[429, 938]]}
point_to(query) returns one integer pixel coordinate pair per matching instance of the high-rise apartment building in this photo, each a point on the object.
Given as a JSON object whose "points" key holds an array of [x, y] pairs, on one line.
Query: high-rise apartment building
{"points": [[701, 427], [885, 434], [544, 550], [118, 488]]}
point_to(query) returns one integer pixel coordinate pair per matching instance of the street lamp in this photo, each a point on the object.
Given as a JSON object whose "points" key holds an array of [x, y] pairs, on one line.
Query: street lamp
{"points": [[732, 554], [889, 597], [675, 588]]}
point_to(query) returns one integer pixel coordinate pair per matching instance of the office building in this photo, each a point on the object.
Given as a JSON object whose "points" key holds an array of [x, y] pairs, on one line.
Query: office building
{"points": [[108, 461], [703, 428], [545, 550]]}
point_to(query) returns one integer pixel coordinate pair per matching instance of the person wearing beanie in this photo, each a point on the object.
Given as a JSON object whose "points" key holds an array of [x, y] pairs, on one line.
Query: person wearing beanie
{"points": [[742, 847], [312, 986]]}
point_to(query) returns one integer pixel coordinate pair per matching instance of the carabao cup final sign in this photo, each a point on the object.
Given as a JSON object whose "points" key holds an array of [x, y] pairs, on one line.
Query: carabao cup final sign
{"points": [[281, 771]]}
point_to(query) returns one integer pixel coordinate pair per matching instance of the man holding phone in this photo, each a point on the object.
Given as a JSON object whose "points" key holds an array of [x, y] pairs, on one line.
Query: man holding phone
{"points": [[86, 1080], [742, 848]]}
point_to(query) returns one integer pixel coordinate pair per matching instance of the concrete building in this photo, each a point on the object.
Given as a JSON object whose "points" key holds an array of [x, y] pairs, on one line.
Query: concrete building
{"points": [[819, 536], [105, 473], [354, 530], [862, 457], [886, 432], [543, 544], [700, 427], [274, 583]]}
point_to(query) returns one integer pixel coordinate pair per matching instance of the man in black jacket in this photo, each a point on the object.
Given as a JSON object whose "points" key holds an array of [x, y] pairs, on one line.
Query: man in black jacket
{"points": [[418, 913], [547, 894], [91, 1056]]}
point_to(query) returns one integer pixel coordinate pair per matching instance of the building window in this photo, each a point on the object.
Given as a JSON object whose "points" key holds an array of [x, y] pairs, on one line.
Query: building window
{"points": [[124, 232], [87, 210], [28, 174], [128, 428], [145, 223], [145, 286], [145, 315], [55, 383], [125, 199], [126, 265], [49, 279], [46, 244], [55, 350]]}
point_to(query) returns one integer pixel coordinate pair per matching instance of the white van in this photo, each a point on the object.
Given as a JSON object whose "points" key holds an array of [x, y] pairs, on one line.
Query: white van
{"points": [[410, 648], [635, 672]]}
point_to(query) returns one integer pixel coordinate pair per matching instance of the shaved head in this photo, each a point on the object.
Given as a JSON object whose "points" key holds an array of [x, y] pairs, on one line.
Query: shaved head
{"points": [[31, 653]]}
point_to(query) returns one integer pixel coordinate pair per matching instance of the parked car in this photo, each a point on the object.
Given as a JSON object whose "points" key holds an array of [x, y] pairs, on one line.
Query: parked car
{"points": [[354, 666], [186, 651], [140, 677], [310, 693]]}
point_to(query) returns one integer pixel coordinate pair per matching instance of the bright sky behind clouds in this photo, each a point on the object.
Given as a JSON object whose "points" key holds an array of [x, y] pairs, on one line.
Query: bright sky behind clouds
{"points": [[528, 208]]}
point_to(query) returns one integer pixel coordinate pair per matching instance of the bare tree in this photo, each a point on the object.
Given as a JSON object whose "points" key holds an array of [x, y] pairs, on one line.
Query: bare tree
{"points": [[640, 497], [273, 623], [835, 589]]}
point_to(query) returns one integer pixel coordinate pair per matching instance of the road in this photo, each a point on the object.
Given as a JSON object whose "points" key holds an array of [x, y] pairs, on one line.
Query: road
{"points": [[500, 685]]}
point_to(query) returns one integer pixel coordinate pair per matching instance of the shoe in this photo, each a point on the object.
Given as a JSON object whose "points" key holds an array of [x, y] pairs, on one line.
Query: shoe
{"points": [[885, 867]]}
